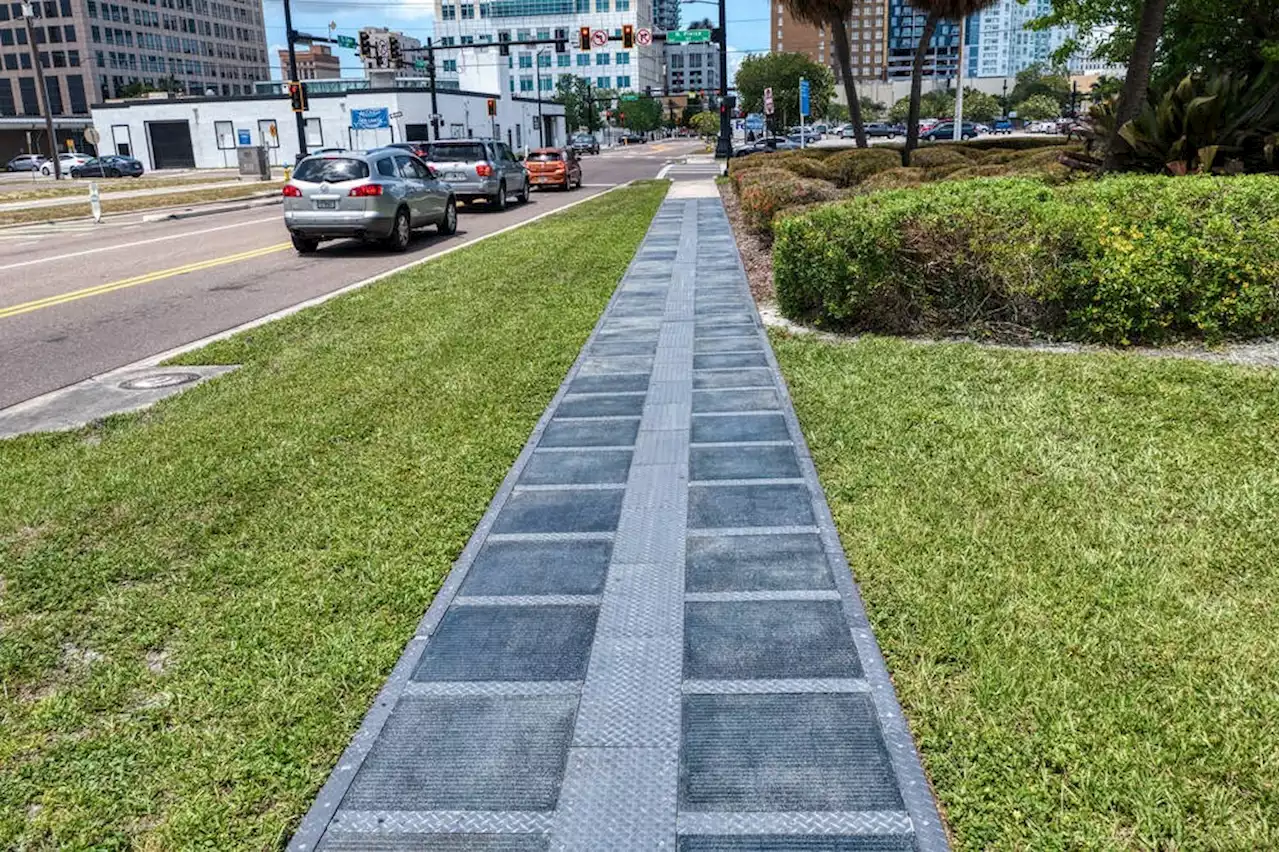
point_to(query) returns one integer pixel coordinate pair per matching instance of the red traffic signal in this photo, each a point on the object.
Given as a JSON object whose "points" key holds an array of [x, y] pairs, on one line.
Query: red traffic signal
{"points": [[492, 106], [297, 96], [584, 38], [628, 36]]}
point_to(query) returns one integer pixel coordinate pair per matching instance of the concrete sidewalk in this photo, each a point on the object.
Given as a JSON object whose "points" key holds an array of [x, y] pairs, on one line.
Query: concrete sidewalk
{"points": [[652, 640]]}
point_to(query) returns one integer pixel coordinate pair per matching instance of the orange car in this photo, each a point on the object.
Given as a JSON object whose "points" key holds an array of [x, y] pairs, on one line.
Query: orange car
{"points": [[554, 167]]}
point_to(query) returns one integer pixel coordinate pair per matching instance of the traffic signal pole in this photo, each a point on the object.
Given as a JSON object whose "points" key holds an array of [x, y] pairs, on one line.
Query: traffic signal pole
{"points": [[293, 75], [431, 79], [724, 144]]}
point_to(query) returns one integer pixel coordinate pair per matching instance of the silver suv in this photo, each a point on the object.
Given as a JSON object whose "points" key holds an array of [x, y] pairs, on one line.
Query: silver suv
{"points": [[480, 170], [381, 194]]}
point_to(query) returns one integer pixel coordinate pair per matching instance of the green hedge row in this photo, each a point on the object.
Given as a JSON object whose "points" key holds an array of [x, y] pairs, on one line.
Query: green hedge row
{"points": [[1122, 260]]}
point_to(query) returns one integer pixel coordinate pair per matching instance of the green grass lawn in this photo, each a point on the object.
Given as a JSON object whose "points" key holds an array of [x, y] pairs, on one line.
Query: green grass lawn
{"points": [[1071, 565], [198, 602]]}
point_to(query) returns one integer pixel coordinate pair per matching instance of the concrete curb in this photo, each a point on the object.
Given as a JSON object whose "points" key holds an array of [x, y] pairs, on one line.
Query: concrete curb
{"points": [[263, 200]]}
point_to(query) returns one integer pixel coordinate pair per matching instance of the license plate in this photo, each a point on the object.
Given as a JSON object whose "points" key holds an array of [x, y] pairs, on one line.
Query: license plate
{"points": [[326, 204], [455, 176]]}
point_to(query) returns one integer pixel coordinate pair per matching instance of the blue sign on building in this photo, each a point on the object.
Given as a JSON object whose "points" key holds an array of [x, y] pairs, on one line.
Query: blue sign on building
{"points": [[804, 97], [755, 122], [370, 119], [243, 137]]}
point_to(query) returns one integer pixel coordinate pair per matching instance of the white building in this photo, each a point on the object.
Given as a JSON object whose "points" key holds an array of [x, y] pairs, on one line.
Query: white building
{"points": [[205, 132], [998, 44], [691, 67], [464, 22]]}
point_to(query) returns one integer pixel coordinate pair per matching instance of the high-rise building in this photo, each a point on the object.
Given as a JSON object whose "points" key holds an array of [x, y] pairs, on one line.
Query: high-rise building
{"points": [[666, 15], [866, 30], [998, 43], [91, 50], [692, 68], [315, 63], [906, 25], [464, 22]]}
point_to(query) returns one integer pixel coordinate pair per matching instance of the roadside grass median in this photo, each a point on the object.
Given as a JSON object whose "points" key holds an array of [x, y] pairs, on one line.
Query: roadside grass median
{"points": [[79, 187], [115, 206], [198, 602], [1070, 564]]}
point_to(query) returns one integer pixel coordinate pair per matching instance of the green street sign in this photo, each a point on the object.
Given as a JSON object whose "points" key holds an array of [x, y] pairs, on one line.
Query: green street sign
{"points": [[419, 65], [688, 36], [630, 96], [346, 41]]}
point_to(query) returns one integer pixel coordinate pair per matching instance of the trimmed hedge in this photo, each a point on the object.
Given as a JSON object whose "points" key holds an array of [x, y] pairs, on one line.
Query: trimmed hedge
{"points": [[808, 167], [935, 156], [852, 167], [765, 192], [1122, 260], [1016, 143], [895, 178]]}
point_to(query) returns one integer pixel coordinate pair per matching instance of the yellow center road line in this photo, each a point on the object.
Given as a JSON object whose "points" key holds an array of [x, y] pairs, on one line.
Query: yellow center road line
{"points": [[159, 275]]}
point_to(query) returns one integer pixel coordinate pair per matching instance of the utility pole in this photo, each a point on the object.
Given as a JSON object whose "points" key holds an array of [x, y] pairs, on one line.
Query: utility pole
{"points": [[431, 80], [957, 126], [293, 75], [28, 12], [724, 144]]}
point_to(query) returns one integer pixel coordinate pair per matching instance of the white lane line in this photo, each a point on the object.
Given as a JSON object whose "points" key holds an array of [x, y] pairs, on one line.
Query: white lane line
{"points": [[138, 243]]}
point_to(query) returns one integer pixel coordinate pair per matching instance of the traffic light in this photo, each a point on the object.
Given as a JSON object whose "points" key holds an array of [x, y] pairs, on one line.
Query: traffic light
{"points": [[366, 46], [503, 48], [648, 91], [297, 96], [584, 38], [628, 36], [393, 51], [492, 106], [562, 40]]}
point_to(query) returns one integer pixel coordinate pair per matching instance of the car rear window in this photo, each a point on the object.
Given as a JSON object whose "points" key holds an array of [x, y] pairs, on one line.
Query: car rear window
{"points": [[545, 157], [463, 153], [331, 170]]}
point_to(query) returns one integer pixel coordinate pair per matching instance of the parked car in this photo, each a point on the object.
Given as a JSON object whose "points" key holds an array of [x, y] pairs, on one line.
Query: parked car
{"points": [[480, 170], [807, 136], [1043, 127], [24, 163], [1002, 125], [945, 131], [632, 139], [382, 194], [550, 167], [881, 130], [65, 162], [585, 143], [766, 145], [112, 165]]}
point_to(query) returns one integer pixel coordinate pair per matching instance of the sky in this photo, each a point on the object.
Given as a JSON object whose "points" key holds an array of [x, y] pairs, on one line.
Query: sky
{"points": [[748, 24]]}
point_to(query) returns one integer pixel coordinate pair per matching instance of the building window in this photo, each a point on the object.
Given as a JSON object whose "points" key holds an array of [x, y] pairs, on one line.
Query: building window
{"points": [[622, 6], [562, 61], [526, 84], [602, 82], [545, 84], [468, 11], [624, 82], [602, 5], [544, 60], [526, 61], [448, 13], [622, 58], [602, 59], [584, 59], [451, 65]]}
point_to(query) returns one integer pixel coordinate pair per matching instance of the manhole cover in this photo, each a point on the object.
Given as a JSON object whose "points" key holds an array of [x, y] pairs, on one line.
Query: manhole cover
{"points": [[161, 380]]}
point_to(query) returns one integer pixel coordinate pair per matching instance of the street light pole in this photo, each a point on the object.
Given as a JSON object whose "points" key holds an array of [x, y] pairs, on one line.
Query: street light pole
{"points": [[28, 12], [293, 76], [537, 74]]}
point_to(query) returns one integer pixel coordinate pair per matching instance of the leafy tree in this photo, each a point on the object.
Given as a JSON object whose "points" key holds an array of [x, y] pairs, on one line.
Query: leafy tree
{"points": [[782, 72], [640, 115], [935, 11], [979, 106], [706, 124], [1038, 108], [704, 24], [833, 14], [1037, 80], [872, 110], [579, 110], [692, 107]]}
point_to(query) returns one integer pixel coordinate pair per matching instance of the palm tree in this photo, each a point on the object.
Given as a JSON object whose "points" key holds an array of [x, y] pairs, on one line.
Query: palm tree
{"points": [[935, 11], [834, 15], [1137, 76]]}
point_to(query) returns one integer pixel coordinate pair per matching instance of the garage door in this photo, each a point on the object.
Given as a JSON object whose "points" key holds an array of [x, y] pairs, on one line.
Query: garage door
{"points": [[171, 145]]}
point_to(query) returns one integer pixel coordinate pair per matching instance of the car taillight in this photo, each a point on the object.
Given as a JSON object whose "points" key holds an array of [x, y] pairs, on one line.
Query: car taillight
{"points": [[366, 190], [484, 170], [291, 191]]}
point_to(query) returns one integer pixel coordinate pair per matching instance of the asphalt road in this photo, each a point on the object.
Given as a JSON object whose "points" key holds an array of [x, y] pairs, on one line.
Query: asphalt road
{"points": [[77, 299]]}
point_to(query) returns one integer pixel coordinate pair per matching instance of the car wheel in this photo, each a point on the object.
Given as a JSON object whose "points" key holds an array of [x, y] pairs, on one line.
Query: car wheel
{"points": [[113, 173], [304, 245], [400, 231], [523, 197], [449, 223], [499, 201]]}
